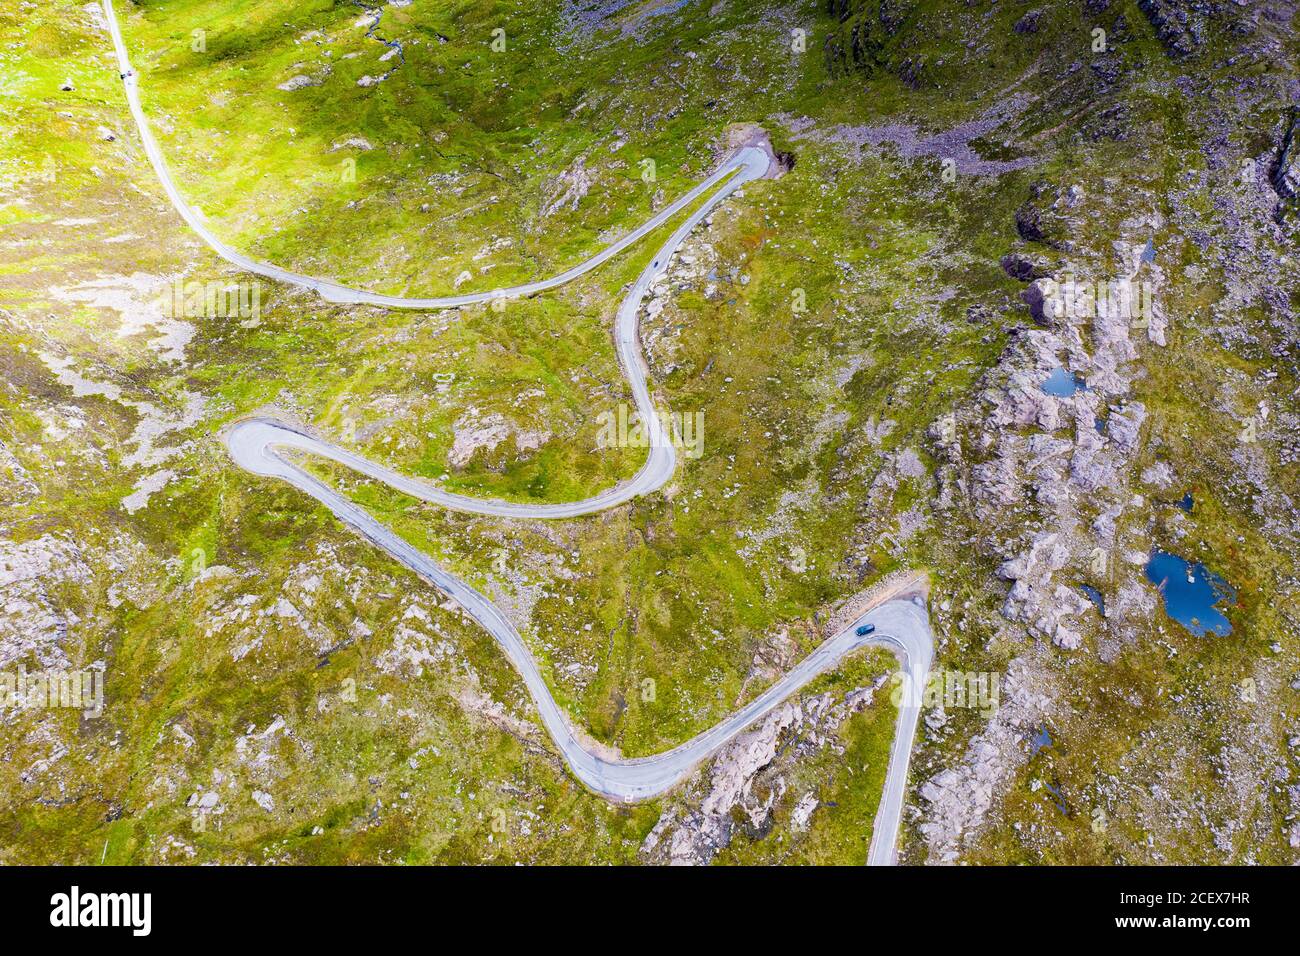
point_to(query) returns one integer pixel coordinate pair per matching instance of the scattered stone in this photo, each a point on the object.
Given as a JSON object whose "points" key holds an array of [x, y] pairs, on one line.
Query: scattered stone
{"points": [[298, 82], [1178, 25], [473, 433], [353, 142], [1022, 267], [1029, 22]]}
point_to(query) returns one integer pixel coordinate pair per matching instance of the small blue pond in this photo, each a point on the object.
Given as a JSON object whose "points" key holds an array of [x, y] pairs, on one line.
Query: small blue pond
{"points": [[1187, 503], [1095, 597], [1190, 592], [1061, 383], [1040, 740]]}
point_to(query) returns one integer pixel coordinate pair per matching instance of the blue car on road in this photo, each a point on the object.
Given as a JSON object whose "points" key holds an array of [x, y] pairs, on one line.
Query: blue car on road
{"points": [[865, 629]]}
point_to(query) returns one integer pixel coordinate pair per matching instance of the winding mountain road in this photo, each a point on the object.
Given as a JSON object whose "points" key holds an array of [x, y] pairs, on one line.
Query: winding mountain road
{"points": [[902, 623]]}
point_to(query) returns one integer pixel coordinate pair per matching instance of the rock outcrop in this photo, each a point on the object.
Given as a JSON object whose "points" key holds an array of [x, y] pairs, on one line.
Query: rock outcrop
{"points": [[568, 189], [1286, 176], [747, 779], [961, 797], [32, 625]]}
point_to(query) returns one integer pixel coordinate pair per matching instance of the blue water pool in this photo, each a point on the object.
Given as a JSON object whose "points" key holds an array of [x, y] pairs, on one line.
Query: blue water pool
{"points": [[1095, 597], [1061, 383], [1190, 592], [1042, 739]]}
